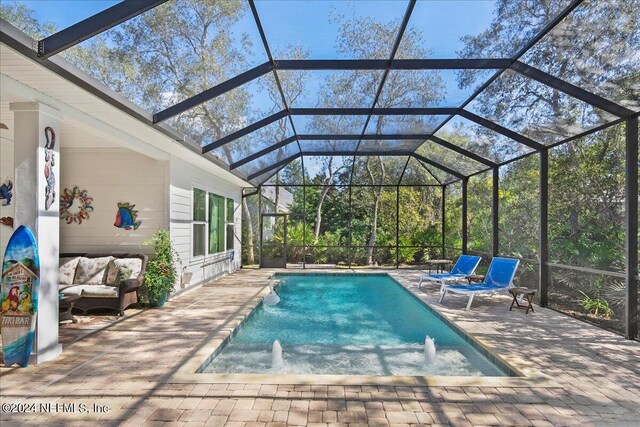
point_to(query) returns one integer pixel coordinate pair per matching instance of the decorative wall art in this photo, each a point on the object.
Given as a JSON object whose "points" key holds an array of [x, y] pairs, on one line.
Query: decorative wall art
{"points": [[20, 285], [49, 163], [127, 217], [7, 220], [75, 205], [6, 192]]}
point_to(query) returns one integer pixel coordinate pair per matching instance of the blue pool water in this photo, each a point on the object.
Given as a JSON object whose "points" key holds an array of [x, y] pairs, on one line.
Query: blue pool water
{"points": [[348, 324]]}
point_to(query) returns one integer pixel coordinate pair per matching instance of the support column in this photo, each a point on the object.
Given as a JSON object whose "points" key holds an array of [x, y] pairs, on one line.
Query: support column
{"points": [[631, 232], [350, 241], [543, 268], [260, 224], [465, 231], [397, 226], [304, 225], [495, 218], [444, 249], [30, 121]]}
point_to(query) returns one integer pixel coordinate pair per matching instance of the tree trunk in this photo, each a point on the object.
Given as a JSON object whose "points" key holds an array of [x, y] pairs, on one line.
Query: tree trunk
{"points": [[277, 197], [323, 195], [377, 192], [374, 229], [247, 218]]}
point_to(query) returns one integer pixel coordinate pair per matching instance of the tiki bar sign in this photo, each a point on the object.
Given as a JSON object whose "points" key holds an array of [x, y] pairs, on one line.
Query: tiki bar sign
{"points": [[17, 307]]}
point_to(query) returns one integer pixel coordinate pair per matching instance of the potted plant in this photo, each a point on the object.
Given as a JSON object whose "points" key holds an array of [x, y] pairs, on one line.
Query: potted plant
{"points": [[161, 272]]}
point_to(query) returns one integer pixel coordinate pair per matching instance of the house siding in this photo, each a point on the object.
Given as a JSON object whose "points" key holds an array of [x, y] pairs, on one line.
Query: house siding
{"points": [[184, 177]]}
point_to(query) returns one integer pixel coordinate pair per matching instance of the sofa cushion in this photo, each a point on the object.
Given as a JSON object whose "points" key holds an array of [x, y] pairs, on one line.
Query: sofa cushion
{"points": [[92, 291], [133, 264], [68, 270], [92, 271], [124, 273]]}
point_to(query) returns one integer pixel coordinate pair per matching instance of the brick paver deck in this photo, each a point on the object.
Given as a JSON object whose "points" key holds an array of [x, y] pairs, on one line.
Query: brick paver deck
{"points": [[129, 367]]}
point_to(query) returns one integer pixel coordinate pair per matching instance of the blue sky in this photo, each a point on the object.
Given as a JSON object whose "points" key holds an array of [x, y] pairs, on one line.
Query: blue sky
{"points": [[65, 12]]}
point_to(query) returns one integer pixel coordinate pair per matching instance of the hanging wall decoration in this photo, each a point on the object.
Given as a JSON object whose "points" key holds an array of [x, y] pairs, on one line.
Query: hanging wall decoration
{"points": [[75, 205], [127, 217], [6, 192], [49, 163]]}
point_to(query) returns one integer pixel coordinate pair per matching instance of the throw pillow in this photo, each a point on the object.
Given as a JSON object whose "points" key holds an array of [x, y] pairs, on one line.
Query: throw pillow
{"points": [[91, 271], [124, 273], [67, 270], [135, 264]]}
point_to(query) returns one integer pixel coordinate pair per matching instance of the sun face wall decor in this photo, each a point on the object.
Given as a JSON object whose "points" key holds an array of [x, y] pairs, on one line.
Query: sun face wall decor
{"points": [[75, 205]]}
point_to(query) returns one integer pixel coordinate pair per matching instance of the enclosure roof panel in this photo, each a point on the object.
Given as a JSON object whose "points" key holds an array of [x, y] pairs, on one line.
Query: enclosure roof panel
{"points": [[431, 88], [458, 162], [535, 110], [329, 124], [461, 29], [481, 140], [330, 88], [331, 29], [417, 173], [407, 124], [596, 47]]}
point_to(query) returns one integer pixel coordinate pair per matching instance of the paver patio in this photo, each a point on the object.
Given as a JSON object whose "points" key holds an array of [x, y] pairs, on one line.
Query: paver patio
{"points": [[129, 364]]}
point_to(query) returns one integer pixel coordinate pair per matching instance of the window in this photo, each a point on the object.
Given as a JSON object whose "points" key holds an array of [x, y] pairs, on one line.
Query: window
{"points": [[199, 221], [212, 223], [216, 223], [230, 234]]}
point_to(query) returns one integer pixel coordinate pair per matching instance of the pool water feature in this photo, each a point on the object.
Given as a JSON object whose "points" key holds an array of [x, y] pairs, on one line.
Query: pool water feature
{"points": [[349, 324]]}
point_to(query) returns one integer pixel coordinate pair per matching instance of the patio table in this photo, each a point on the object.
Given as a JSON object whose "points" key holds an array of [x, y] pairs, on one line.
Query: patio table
{"points": [[439, 264]]}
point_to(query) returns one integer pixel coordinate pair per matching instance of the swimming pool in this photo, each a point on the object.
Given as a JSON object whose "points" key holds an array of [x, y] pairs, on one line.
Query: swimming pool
{"points": [[349, 324]]}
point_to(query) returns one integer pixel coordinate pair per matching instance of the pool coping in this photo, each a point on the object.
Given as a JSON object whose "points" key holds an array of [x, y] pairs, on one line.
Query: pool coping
{"points": [[189, 372]]}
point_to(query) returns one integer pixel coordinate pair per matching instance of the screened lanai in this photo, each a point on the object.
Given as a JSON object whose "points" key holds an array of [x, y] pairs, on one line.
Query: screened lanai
{"points": [[394, 132]]}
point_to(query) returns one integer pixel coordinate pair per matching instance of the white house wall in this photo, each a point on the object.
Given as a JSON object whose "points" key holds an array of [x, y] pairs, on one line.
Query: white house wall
{"points": [[184, 177], [6, 170], [112, 176]]}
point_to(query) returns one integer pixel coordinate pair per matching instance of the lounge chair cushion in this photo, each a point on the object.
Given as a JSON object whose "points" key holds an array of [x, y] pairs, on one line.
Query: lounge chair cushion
{"points": [[438, 276], [133, 265], [477, 287], [67, 270], [92, 291], [92, 271]]}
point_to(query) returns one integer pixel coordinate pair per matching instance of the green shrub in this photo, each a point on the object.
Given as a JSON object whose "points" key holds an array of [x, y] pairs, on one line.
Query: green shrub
{"points": [[161, 273]]}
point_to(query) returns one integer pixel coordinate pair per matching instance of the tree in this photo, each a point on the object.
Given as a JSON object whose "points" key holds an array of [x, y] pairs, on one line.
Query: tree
{"points": [[361, 38], [21, 16], [586, 176]]}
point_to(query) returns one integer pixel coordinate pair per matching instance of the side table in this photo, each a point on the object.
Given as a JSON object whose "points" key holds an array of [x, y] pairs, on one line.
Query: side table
{"points": [[65, 305], [475, 278], [528, 295]]}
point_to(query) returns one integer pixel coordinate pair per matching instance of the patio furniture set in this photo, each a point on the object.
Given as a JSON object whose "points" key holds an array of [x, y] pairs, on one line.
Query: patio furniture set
{"points": [[499, 277], [94, 281]]}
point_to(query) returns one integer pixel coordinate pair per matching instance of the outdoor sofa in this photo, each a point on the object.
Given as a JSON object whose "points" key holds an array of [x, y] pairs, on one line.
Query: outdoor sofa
{"points": [[100, 279]]}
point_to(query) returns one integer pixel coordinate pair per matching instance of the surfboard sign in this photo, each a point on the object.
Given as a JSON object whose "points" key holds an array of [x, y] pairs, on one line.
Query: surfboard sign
{"points": [[20, 284]]}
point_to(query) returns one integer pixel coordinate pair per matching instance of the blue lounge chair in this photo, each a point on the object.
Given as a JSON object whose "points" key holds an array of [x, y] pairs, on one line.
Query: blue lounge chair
{"points": [[465, 266], [498, 278]]}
